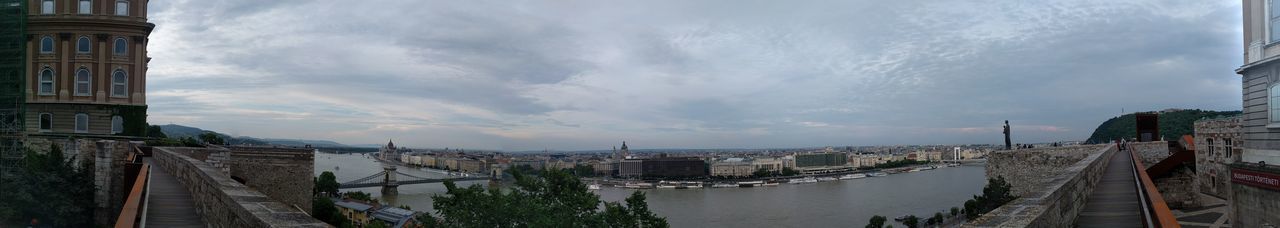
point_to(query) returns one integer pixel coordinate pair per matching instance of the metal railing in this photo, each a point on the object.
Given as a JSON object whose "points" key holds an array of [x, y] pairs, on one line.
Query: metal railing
{"points": [[131, 214], [1155, 211]]}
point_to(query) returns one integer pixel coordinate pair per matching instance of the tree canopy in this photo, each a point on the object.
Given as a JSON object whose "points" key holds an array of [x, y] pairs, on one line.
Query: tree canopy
{"points": [[1173, 124], [556, 199], [51, 190]]}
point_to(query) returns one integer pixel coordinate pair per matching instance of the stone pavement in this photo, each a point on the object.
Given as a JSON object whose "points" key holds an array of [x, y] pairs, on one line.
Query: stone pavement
{"points": [[1212, 216]]}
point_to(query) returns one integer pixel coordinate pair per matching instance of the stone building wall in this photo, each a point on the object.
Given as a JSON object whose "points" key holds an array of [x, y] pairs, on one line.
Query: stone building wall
{"points": [[1217, 145], [1151, 152], [284, 174], [1057, 199], [106, 158], [223, 202]]}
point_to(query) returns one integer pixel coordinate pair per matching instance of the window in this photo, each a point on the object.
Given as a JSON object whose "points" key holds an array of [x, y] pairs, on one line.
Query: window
{"points": [[46, 45], [82, 83], [1274, 20], [1274, 102], [46, 7], [82, 123], [119, 84], [86, 7], [46, 122], [83, 45], [121, 47], [117, 124], [122, 8], [1229, 149], [46, 82]]}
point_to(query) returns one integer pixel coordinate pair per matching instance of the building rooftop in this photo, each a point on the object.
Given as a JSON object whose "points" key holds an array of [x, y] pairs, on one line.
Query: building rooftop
{"points": [[354, 205]]}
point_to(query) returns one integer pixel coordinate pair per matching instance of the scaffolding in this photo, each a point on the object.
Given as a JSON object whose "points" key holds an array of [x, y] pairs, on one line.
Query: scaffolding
{"points": [[13, 16]]}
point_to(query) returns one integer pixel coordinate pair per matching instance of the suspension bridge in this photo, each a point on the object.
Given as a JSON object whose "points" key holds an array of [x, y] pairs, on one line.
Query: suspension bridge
{"points": [[389, 179]]}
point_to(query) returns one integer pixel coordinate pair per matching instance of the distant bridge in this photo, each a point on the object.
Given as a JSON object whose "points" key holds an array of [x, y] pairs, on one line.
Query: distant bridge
{"points": [[389, 179]]}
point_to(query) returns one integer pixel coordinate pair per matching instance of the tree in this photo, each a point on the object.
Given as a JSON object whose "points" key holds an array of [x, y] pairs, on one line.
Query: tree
{"points": [[154, 131], [556, 199], [377, 224], [876, 222], [937, 218], [911, 222], [955, 211], [50, 188], [995, 194], [788, 171], [323, 209], [212, 138], [358, 195], [762, 172], [327, 183]]}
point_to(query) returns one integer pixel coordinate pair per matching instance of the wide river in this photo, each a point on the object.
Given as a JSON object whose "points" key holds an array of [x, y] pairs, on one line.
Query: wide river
{"points": [[846, 203]]}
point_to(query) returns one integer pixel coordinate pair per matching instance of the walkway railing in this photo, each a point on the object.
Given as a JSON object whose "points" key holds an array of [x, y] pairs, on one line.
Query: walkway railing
{"points": [[131, 214], [1155, 212]]}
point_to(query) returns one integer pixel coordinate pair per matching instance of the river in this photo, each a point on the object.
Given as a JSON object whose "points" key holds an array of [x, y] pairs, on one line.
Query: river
{"points": [[826, 204]]}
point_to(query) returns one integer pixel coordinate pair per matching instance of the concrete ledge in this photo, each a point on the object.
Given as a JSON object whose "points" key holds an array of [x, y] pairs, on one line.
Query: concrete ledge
{"points": [[223, 202], [1058, 199]]}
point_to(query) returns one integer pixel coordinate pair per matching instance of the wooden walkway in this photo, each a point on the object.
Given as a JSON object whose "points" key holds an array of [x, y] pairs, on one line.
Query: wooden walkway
{"points": [[1114, 202], [169, 204]]}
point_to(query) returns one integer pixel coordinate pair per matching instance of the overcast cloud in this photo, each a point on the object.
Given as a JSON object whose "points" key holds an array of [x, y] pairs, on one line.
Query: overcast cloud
{"points": [[570, 75]]}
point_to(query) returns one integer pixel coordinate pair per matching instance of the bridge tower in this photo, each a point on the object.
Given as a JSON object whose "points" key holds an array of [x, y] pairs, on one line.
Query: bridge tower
{"points": [[389, 184]]}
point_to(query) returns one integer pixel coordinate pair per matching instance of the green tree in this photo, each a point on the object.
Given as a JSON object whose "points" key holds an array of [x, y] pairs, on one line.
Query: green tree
{"points": [[377, 224], [154, 131], [584, 171], [50, 188], [937, 218], [788, 171], [358, 195], [327, 183], [212, 138], [556, 199], [911, 222], [876, 222], [995, 194], [762, 172], [323, 209], [955, 211]]}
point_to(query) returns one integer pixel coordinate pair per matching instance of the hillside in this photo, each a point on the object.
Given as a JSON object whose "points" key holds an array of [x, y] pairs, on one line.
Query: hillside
{"points": [[179, 131], [1173, 124]]}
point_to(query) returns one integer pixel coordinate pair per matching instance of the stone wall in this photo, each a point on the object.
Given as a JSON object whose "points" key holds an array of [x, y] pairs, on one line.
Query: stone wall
{"points": [[1057, 199], [1026, 169], [223, 202], [1151, 152], [1253, 206], [1217, 143], [284, 174], [106, 159]]}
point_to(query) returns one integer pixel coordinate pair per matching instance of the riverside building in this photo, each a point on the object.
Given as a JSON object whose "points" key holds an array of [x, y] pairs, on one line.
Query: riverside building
{"points": [[1255, 179]]}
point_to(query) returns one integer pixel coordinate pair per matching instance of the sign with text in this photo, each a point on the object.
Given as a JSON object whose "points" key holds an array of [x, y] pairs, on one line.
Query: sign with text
{"points": [[1256, 179]]}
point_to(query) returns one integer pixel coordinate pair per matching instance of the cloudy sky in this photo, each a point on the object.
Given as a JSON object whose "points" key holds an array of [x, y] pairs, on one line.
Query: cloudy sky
{"points": [[573, 75]]}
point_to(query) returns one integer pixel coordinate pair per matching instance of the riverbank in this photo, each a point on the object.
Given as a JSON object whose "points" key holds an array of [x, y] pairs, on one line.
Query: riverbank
{"points": [[597, 183]]}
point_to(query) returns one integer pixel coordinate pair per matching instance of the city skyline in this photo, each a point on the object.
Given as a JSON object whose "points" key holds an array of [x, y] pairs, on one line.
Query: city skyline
{"points": [[588, 75]]}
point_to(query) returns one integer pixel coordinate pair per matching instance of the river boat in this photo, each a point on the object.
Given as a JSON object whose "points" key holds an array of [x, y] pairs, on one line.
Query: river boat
{"points": [[724, 185], [747, 184], [853, 176], [805, 180], [825, 179], [593, 187], [638, 185], [770, 184], [878, 174]]}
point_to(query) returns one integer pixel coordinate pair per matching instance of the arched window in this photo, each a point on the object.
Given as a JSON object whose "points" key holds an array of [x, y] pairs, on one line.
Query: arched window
{"points": [[83, 45], [83, 85], [1275, 103], [86, 7], [122, 8], [46, 82], [46, 7], [119, 84], [46, 45], [46, 122], [117, 124], [121, 46], [82, 123]]}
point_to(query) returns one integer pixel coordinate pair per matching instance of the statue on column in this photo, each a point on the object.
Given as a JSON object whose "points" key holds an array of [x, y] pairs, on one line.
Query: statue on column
{"points": [[1008, 144]]}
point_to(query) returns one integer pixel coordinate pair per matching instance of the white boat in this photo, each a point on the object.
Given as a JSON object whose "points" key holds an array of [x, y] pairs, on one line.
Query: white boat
{"points": [[750, 183], [805, 180], [770, 184], [593, 187], [825, 179], [666, 186], [638, 185], [878, 174], [853, 176], [724, 185]]}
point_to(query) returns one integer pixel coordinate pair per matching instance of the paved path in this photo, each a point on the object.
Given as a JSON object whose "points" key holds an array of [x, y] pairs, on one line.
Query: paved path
{"points": [[169, 204], [1212, 216], [1114, 202]]}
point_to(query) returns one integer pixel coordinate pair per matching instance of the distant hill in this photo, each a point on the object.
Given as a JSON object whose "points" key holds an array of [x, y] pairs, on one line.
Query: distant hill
{"points": [[179, 131], [1173, 124]]}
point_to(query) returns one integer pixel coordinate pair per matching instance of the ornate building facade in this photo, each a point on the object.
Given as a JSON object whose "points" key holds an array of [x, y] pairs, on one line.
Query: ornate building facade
{"points": [[86, 67]]}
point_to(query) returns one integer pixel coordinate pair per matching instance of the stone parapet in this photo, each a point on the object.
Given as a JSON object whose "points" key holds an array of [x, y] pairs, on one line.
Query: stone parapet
{"points": [[1053, 184], [1151, 152], [223, 202], [284, 174]]}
